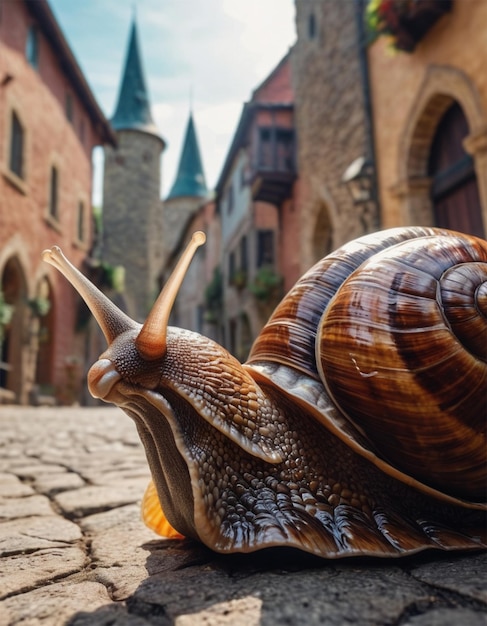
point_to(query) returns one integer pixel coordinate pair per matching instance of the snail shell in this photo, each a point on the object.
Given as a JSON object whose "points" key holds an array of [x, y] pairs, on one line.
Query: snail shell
{"points": [[398, 323], [357, 426]]}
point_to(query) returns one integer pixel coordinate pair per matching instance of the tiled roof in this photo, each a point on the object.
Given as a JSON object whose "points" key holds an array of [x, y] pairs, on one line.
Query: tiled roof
{"points": [[190, 179], [133, 108]]}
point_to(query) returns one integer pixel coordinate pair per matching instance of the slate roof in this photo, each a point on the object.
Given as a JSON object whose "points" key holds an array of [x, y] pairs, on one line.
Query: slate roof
{"points": [[190, 178], [133, 108]]}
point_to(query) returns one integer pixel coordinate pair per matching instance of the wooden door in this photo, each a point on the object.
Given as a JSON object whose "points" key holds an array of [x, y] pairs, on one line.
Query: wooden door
{"points": [[454, 191]]}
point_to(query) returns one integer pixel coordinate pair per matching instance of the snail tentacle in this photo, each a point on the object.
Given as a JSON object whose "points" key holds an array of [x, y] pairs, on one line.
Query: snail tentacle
{"points": [[151, 341]]}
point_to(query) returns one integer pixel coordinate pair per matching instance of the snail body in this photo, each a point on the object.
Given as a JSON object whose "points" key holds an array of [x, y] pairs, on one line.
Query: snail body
{"points": [[357, 425]]}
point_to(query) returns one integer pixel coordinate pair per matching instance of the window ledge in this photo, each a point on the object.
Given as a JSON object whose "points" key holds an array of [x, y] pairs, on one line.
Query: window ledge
{"points": [[81, 245], [15, 181], [53, 222]]}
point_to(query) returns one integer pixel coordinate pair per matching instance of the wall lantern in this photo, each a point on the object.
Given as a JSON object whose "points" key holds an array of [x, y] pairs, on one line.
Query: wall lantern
{"points": [[358, 178]]}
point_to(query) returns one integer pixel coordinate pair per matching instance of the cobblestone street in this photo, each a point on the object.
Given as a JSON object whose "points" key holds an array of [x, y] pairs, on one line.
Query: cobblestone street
{"points": [[74, 551]]}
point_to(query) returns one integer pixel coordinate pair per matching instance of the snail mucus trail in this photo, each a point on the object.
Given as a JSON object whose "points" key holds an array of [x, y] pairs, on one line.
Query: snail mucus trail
{"points": [[241, 462]]}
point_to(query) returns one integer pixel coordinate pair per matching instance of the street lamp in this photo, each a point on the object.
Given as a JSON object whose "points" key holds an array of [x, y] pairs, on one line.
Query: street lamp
{"points": [[360, 182], [358, 178]]}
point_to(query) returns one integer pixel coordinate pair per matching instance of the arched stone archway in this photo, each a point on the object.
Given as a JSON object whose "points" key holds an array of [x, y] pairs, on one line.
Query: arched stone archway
{"points": [[322, 236], [319, 228], [14, 347], [441, 88], [43, 330]]}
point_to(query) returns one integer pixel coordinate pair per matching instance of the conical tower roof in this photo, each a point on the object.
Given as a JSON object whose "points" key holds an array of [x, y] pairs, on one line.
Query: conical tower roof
{"points": [[133, 107], [190, 179]]}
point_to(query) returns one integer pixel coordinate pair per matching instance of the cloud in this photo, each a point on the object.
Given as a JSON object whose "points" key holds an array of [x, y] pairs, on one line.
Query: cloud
{"points": [[218, 49]]}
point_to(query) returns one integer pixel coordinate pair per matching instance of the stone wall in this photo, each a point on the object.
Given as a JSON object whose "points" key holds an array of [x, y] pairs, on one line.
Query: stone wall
{"points": [[38, 96], [330, 123], [132, 216]]}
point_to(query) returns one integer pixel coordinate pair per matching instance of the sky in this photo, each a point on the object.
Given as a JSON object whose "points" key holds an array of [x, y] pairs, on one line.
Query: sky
{"points": [[204, 55]]}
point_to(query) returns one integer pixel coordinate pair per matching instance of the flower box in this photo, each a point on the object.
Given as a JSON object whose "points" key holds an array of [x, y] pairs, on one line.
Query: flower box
{"points": [[406, 21]]}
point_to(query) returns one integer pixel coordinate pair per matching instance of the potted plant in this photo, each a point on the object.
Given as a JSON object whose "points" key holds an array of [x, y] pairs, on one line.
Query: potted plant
{"points": [[266, 285], [40, 306], [406, 22], [214, 298], [239, 279]]}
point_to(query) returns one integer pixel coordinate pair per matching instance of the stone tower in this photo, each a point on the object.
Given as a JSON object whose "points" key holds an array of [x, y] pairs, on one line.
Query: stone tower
{"points": [[132, 207], [188, 191]]}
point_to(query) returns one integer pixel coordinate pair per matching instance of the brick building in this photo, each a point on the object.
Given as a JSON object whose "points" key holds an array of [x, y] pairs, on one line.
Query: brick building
{"points": [[255, 202], [49, 124]]}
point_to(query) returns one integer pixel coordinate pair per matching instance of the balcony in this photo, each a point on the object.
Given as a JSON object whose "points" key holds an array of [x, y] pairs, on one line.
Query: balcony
{"points": [[273, 170]]}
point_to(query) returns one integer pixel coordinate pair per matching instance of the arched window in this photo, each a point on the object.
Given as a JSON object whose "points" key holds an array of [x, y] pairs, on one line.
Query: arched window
{"points": [[32, 47], [454, 190], [16, 162], [53, 194], [80, 223], [311, 26]]}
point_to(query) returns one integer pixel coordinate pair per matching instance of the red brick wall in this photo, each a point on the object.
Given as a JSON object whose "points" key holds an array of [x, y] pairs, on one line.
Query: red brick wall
{"points": [[38, 98]]}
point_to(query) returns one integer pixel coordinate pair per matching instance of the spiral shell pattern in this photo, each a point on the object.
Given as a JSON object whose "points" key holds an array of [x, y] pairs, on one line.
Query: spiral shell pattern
{"points": [[400, 343]]}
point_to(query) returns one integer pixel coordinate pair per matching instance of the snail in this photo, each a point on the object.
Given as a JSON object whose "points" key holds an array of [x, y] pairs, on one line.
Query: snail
{"points": [[357, 425]]}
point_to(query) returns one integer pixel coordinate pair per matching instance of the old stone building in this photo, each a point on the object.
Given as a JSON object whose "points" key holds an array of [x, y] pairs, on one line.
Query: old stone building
{"points": [[49, 124], [140, 231], [132, 210], [332, 123], [255, 197], [429, 92], [198, 305]]}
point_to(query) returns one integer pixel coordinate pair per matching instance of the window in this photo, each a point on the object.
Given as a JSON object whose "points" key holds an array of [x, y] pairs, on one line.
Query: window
{"points": [[230, 199], [68, 105], [265, 248], [231, 267], [265, 148], [244, 262], [82, 131], [32, 47], [276, 149], [285, 150], [311, 26], [16, 146], [53, 194], [80, 224]]}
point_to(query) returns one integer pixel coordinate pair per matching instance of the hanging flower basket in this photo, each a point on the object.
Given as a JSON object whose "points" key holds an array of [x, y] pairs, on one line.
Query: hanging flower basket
{"points": [[266, 285], [405, 21], [40, 306], [239, 279]]}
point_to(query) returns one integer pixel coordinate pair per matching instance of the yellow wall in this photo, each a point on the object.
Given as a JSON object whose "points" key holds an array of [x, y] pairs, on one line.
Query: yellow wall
{"points": [[411, 91]]}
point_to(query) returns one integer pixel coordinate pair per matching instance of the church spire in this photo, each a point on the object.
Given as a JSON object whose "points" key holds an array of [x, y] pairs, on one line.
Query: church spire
{"points": [[190, 179], [133, 107]]}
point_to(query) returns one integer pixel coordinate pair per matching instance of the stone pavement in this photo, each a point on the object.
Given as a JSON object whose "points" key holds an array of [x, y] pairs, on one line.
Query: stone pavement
{"points": [[73, 550]]}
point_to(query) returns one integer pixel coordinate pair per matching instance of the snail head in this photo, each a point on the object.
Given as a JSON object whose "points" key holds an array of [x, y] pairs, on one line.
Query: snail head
{"points": [[176, 385]]}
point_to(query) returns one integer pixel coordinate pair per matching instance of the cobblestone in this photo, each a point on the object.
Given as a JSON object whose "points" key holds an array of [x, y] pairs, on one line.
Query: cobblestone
{"points": [[73, 550]]}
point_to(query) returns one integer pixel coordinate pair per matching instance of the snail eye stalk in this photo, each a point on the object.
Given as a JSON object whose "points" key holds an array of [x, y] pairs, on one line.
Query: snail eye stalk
{"points": [[151, 341], [112, 321]]}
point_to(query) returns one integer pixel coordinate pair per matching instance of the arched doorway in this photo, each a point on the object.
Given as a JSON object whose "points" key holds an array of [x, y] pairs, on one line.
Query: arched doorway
{"points": [[321, 234], [43, 322], [454, 190], [245, 338], [14, 290]]}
